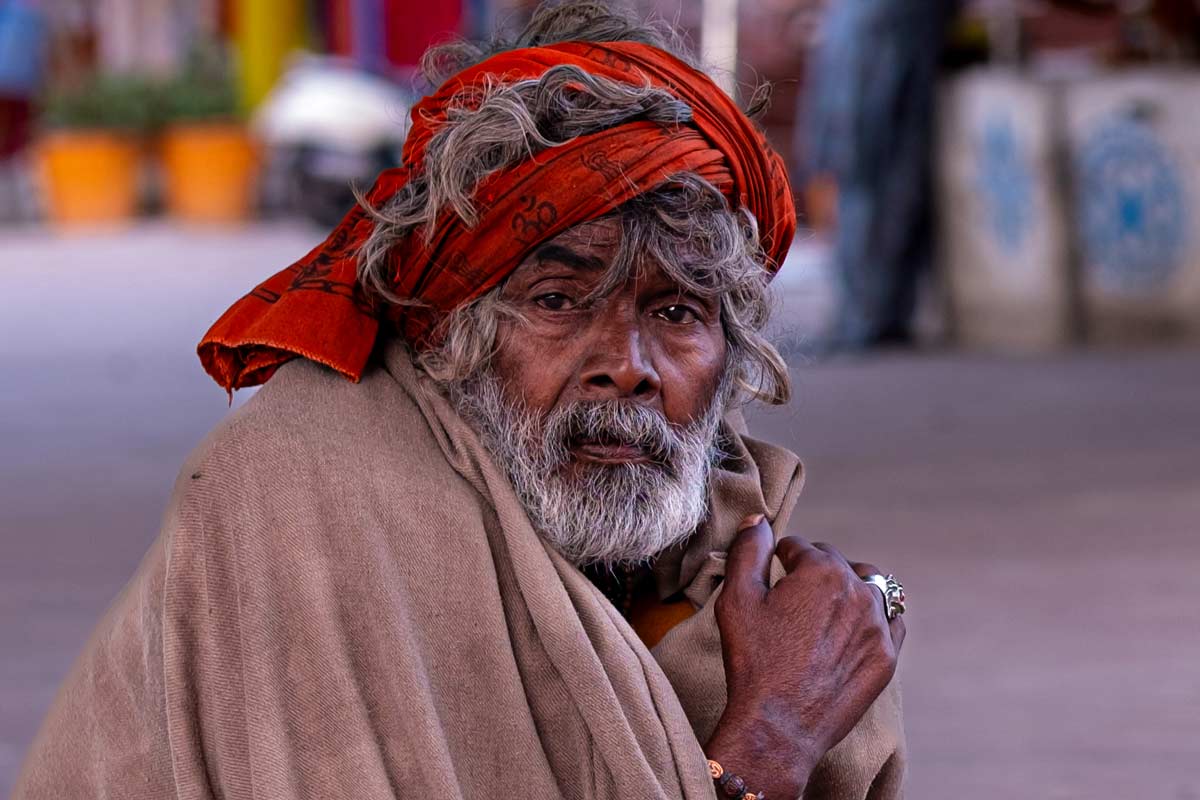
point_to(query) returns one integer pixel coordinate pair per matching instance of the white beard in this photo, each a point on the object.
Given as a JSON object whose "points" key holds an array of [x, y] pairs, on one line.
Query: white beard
{"points": [[607, 514]]}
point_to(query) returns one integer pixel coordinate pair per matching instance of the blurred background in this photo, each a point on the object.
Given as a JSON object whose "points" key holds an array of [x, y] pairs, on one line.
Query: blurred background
{"points": [[992, 312]]}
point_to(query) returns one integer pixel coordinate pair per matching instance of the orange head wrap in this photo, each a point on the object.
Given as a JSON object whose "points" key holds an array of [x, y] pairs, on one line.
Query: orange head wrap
{"points": [[317, 309]]}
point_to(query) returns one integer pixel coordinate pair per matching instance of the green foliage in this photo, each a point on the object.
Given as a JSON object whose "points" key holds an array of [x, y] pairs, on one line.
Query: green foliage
{"points": [[203, 89], [110, 102]]}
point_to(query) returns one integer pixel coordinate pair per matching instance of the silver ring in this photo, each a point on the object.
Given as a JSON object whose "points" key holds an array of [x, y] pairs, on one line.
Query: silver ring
{"points": [[892, 591]]}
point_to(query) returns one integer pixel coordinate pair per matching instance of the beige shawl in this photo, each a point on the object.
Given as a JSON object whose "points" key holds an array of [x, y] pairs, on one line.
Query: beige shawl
{"points": [[347, 601]]}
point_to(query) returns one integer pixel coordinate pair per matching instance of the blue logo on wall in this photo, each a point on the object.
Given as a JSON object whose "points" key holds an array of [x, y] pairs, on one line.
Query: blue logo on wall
{"points": [[1131, 206], [1005, 183]]}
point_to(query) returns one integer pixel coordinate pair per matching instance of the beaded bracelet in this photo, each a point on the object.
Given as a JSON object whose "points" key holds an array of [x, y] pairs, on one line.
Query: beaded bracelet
{"points": [[732, 785]]}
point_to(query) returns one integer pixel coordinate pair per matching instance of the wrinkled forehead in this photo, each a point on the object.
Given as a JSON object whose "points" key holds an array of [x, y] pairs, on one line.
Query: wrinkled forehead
{"points": [[599, 255], [598, 237]]}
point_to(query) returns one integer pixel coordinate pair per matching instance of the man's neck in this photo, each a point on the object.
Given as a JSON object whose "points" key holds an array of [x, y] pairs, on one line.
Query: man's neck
{"points": [[620, 584]]}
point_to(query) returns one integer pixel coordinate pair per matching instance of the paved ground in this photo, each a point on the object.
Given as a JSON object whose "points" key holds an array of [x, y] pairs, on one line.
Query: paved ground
{"points": [[1044, 514]]}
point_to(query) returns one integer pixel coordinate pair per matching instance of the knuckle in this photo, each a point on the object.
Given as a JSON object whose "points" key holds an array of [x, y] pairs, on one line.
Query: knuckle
{"points": [[834, 574], [788, 547], [829, 550], [888, 665], [884, 673], [883, 636], [883, 661], [820, 560], [887, 653], [865, 597], [877, 640]]}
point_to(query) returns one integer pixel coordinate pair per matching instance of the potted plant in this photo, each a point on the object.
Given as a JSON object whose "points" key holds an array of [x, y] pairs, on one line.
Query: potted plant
{"points": [[210, 161], [87, 154]]}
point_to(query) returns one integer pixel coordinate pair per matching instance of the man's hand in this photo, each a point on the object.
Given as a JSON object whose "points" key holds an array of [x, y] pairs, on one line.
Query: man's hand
{"points": [[803, 659]]}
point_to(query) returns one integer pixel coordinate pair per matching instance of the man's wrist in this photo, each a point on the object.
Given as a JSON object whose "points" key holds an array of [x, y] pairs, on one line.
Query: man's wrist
{"points": [[771, 761]]}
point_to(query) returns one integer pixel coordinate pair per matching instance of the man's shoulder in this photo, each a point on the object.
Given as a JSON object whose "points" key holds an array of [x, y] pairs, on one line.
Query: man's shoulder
{"points": [[310, 435], [306, 409]]}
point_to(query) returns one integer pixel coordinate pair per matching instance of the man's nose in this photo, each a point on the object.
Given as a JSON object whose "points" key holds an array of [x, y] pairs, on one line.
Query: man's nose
{"points": [[618, 366]]}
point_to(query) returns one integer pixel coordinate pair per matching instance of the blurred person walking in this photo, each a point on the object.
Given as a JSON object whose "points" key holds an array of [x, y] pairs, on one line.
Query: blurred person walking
{"points": [[871, 117]]}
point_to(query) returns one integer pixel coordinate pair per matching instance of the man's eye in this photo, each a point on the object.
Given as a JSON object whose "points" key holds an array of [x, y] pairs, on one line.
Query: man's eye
{"points": [[554, 301], [678, 314]]}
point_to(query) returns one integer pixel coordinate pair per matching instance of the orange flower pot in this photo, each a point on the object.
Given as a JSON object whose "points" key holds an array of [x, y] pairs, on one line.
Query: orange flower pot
{"points": [[88, 177], [210, 171]]}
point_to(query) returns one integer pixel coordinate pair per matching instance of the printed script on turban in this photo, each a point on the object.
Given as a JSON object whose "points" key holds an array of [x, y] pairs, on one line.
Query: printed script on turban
{"points": [[316, 309]]}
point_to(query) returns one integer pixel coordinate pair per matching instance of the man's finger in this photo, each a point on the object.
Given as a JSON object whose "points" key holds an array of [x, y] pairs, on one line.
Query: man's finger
{"points": [[833, 551], [898, 632], [748, 567], [792, 550], [863, 569]]}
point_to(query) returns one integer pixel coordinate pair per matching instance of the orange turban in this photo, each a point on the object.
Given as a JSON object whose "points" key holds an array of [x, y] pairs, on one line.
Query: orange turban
{"points": [[317, 309]]}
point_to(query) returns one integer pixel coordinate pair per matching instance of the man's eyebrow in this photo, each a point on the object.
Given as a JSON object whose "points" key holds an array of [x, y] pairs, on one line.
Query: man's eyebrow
{"points": [[568, 257]]}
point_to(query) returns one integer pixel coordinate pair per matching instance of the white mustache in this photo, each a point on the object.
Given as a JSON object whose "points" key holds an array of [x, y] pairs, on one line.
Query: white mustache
{"points": [[610, 514], [616, 422]]}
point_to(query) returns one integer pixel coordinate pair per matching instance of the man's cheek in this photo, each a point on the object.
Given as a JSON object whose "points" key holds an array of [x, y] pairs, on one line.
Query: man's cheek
{"points": [[688, 399], [532, 376]]}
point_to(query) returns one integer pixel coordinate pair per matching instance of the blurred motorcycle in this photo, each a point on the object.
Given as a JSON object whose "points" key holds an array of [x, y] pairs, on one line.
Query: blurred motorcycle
{"points": [[328, 126]]}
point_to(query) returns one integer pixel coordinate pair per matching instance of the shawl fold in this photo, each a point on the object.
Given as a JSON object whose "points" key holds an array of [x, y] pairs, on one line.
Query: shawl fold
{"points": [[348, 601]]}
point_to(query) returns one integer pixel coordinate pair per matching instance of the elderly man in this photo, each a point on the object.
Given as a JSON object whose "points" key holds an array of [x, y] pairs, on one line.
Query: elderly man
{"points": [[492, 528]]}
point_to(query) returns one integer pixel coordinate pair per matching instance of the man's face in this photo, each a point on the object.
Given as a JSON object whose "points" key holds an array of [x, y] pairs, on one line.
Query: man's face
{"points": [[603, 407], [649, 342]]}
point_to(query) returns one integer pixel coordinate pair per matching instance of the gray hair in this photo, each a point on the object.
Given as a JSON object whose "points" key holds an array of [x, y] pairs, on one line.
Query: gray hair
{"points": [[685, 226], [620, 514]]}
